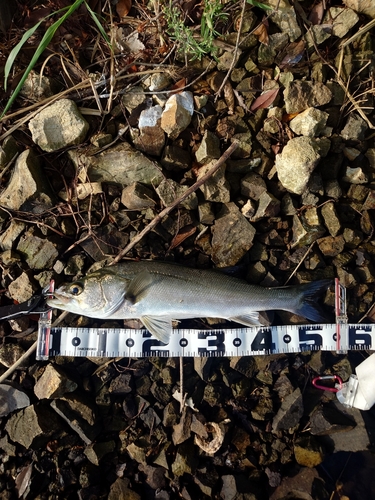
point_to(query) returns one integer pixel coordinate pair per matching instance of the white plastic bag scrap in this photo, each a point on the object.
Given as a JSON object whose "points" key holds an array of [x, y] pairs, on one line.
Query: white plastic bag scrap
{"points": [[359, 391]]}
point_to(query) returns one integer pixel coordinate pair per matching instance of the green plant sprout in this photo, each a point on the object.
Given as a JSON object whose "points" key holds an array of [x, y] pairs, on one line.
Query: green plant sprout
{"points": [[48, 35], [189, 44]]}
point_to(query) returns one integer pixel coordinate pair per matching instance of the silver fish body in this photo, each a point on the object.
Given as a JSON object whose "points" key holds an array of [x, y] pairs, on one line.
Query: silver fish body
{"points": [[158, 293]]}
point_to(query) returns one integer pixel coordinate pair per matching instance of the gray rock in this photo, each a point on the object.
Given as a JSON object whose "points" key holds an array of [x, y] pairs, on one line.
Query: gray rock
{"points": [[209, 148], [136, 453], [121, 164], [285, 18], [28, 188], [96, 451], [137, 197], [202, 366], [244, 147], [101, 139], [107, 240], [268, 206], [158, 82], [82, 191], [177, 114], [182, 430], [331, 246], [37, 87], [310, 122], [21, 289], [300, 95], [296, 162], [331, 220], [303, 233], [9, 236], [249, 209], [216, 188], [342, 20], [205, 213], [133, 98], [11, 399], [229, 488], [253, 186], [175, 158], [232, 236], [316, 35], [169, 190], [276, 43], [245, 365], [152, 138], [355, 175], [290, 412], [39, 253], [355, 128], [79, 414], [53, 383], [186, 459], [58, 126], [120, 490], [333, 189], [8, 149], [32, 426]]}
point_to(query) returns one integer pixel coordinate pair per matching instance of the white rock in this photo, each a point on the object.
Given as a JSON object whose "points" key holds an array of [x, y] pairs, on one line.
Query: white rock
{"points": [[310, 122], [58, 126], [177, 114], [296, 162]]}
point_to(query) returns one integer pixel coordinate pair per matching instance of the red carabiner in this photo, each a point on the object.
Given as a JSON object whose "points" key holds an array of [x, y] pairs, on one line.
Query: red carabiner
{"points": [[324, 387]]}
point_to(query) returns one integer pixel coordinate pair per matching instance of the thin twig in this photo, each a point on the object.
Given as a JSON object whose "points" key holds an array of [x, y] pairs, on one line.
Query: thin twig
{"points": [[176, 202], [299, 263], [235, 52]]}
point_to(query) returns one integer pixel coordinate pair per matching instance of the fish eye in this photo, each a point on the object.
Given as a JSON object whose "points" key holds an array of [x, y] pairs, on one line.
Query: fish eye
{"points": [[76, 289]]}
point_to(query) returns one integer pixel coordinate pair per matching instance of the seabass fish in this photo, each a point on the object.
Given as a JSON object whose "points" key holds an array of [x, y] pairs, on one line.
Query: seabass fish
{"points": [[159, 292]]}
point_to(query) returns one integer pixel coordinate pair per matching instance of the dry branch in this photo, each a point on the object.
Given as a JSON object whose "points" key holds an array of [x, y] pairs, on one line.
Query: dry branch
{"points": [[176, 202]]}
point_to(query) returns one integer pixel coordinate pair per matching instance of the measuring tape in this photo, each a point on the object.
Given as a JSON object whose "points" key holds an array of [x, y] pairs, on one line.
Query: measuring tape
{"points": [[121, 342]]}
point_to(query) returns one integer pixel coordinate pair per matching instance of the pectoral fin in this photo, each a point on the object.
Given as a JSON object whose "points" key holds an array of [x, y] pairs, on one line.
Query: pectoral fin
{"points": [[160, 326], [250, 319], [138, 287]]}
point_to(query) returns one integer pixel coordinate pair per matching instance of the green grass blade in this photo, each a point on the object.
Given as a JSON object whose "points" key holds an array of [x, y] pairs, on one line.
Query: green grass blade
{"points": [[14, 53], [40, 49], [98, 24], [259, 4]]}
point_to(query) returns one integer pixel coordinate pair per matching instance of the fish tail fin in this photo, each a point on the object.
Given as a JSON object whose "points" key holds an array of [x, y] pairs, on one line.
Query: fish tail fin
{"points": [[308, 307]]}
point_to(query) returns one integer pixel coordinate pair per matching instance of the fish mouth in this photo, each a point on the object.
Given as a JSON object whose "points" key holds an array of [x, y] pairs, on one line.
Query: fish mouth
{"points": [[59, 299]]}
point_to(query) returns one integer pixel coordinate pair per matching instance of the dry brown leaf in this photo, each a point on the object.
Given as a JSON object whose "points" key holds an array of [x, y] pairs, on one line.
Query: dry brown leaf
{"points": [[294, 53], [181, 236], [261, 32], [23, 479], [289, 116], [265, 100], [123, 7], [179, 85], [316, 13], [229, 97]]}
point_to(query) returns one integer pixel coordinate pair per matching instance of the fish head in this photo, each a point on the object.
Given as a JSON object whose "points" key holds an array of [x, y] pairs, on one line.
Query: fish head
{"points": [[97, 295]]}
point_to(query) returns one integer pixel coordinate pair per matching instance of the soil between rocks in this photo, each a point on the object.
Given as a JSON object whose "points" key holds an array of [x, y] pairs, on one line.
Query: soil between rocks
{"points": [[295, 201]]}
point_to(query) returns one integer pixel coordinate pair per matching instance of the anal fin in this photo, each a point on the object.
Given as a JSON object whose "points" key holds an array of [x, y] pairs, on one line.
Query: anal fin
{"points": [[159, 326], [250, 319]]}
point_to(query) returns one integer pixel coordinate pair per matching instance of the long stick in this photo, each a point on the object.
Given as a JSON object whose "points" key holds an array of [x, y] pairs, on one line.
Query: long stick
{"points": [[176, 202]]}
